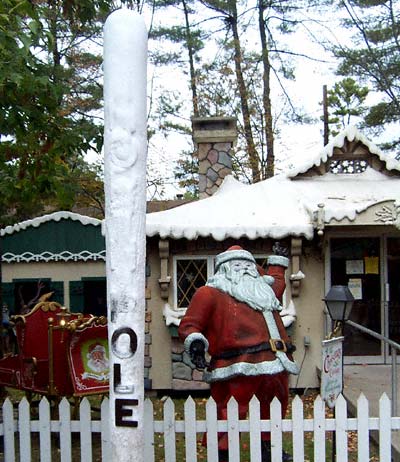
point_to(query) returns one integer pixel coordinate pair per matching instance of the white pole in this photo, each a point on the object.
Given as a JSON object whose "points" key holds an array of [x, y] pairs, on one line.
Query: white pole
{"points": [[125, 146]]}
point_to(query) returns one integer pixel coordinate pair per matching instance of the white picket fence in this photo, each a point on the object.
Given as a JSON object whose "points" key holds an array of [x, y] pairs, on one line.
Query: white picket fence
{"points": [[23, 433]]}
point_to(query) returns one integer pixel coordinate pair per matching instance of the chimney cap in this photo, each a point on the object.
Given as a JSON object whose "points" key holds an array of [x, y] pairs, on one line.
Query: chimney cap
{"points": [[214, 129]]}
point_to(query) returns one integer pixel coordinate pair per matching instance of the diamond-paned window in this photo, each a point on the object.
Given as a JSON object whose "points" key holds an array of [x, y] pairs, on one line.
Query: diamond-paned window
{"points": [[348, 166], [190, 275]]}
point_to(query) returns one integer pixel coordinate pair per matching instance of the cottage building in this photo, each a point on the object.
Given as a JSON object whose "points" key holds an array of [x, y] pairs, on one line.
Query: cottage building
{"points": [[64, 251], [337, 213]]}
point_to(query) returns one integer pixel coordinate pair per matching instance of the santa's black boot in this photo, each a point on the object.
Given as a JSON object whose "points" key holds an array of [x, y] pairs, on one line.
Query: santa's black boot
{"points": [[223, 455], [286, 457], [266, 453]]}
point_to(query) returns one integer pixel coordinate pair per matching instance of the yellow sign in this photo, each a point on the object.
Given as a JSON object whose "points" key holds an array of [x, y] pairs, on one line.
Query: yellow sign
{"points": [[371, 265]]}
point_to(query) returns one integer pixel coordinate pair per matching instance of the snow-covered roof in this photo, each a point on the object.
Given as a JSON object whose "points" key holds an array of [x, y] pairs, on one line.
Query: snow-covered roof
{"points": [[236, 211], [279, 206], [56, 216], [352, 134]]}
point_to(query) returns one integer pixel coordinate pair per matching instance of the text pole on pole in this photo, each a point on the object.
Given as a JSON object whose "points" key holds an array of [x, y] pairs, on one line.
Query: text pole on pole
{"points": [[125, 147]]}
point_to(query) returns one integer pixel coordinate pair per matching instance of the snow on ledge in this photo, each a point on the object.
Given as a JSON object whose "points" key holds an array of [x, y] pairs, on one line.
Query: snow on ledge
{"points": [[56, 216]]}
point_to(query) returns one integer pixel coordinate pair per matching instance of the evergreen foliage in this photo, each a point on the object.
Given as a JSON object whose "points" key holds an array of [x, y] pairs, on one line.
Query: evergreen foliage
{"points": [[346, 101], [373, 57]]}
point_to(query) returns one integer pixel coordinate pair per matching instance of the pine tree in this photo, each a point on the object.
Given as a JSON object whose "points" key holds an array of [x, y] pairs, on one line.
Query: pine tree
{"points": [[374, 56], [346, 102]]}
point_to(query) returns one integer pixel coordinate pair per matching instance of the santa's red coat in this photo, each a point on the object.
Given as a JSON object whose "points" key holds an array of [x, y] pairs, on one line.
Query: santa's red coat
{"points": [[229, 325]]}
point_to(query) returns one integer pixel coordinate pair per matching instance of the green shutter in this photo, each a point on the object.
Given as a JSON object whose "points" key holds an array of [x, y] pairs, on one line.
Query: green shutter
{"points": [[76, 296], [58, 288], [8, 296]]}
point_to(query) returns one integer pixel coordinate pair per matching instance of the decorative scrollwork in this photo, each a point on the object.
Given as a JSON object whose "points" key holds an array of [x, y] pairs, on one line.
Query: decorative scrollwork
{"points": [[386, 215], [348, 166]]}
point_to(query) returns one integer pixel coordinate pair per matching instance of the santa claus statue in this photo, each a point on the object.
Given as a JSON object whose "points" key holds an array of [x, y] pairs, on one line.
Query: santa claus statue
{"points": [[235, 318]]}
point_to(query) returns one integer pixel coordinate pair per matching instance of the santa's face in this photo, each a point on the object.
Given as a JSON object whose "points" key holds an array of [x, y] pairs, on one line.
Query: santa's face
{"points": [[240, 268], [241, 280], [97, 359]]}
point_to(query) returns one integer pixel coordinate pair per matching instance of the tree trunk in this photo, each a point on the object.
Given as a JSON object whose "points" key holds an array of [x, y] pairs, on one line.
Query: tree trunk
{"points": [[189, 44], [251, 149], [268, 128]]}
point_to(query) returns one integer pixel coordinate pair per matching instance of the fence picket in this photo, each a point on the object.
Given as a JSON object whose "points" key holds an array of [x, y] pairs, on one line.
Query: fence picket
{"points": [[148, 431], [212, 433], [44, 430], [8, 422], [233, 431], [298, 429], [169, 431], [319, 429], [255, 430], [105, 431], [341, 429], [362, 428], [190, 430], [24, 428], [385, 433], [64, 410], [276, 430], [85, 430], [10, 428]]}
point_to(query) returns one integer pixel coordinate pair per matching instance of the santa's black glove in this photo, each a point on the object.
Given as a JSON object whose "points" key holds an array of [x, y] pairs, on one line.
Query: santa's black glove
{"points": [[279, 249], [197, 353]]}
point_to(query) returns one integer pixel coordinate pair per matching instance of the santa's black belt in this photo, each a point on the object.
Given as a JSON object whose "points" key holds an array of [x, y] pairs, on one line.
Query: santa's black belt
{"points": [[273, 345]]}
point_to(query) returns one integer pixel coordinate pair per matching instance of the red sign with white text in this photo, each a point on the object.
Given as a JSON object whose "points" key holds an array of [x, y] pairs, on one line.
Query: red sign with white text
{"points": [[332, 370]]}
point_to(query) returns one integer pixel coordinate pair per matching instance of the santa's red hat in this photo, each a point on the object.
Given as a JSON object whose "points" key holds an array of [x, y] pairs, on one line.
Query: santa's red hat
{"points": [[233, 253]]}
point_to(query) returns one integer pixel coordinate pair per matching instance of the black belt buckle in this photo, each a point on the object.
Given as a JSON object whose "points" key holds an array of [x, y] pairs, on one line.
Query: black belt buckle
{"points": [[277, 345]]}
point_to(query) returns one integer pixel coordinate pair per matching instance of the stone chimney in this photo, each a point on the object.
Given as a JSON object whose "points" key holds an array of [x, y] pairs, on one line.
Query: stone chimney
{"points": [[214, 138]]}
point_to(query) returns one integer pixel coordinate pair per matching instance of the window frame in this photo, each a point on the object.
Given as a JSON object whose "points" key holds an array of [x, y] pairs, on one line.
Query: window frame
{"points": [[210, 271]]}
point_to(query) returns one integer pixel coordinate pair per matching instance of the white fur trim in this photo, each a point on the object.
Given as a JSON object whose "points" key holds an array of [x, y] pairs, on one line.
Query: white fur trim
{"points": [[192, 337], [279, 260], [229, 255], [250, 369], [269, 279]]}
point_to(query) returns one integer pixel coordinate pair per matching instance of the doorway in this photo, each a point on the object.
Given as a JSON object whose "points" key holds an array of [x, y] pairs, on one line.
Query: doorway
{"points": [[355, 262], [392, 288], [370, 267]]}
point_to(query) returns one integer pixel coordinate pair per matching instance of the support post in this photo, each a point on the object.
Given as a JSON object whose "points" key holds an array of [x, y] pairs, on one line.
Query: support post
{"points": [[125, 145]]}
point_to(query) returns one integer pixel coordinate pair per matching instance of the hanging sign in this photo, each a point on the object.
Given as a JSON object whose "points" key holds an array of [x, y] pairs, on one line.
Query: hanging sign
{"points": [[332, 370]]}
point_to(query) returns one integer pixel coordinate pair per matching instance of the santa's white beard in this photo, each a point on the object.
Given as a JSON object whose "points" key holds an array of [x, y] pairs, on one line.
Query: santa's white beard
{"points": [[246, 286]]}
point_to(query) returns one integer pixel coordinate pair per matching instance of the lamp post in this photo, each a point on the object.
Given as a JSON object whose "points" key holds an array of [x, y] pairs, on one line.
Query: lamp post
{"points": [[339, 301]]}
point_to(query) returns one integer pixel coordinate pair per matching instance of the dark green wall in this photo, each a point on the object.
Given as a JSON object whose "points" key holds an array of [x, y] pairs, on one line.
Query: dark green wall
{"points": [[55, 237]]}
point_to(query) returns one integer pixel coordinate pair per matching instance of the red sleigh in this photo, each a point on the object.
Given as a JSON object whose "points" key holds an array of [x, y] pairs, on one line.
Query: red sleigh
{"points": [[59, 353]]}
